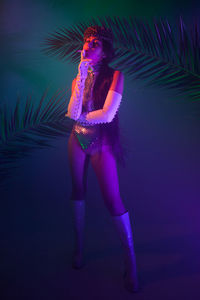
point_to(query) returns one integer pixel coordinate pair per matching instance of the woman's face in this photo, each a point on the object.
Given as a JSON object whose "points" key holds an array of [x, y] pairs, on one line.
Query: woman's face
{"points": [[93, 49]]}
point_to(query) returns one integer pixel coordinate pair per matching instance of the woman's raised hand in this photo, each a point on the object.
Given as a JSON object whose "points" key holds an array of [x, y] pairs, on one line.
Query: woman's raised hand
{"points": [[84, 64]]}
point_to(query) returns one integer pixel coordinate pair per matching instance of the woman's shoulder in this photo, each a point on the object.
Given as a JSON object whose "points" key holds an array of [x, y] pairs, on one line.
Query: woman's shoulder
{"points": [[117, 81], [116, 72], [118, 75]]}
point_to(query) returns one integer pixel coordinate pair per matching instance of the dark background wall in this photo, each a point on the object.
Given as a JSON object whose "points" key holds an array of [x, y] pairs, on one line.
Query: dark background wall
{"points": [[160, 184]]}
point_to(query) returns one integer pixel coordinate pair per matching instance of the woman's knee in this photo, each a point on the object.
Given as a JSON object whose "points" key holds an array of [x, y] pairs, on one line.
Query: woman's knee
{"points": [[114, 205]]}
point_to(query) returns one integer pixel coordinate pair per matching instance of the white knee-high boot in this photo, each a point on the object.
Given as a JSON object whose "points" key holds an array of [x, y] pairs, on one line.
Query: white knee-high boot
{"points": [[78, 224], [123, 227]]}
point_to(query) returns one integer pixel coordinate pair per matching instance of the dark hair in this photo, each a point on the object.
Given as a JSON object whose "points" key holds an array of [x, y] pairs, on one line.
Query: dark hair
{"points": [[106, 37], [111, 130], [109, 51]]}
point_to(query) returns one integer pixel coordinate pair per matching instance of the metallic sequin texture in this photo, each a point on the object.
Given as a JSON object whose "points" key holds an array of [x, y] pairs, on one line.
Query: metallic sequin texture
{"points": [[87, 136]]}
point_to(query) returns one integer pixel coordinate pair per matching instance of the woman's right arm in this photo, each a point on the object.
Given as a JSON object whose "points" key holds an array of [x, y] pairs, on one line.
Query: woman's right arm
{"points": [[75, 103]]}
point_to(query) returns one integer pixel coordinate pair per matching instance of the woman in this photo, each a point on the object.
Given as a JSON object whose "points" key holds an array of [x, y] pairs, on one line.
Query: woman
{"points": [[96, 97]]}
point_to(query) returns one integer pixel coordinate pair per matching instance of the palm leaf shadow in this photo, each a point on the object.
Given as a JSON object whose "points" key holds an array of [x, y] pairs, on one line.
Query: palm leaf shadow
{"points": [[151, 52], [29, 128]]}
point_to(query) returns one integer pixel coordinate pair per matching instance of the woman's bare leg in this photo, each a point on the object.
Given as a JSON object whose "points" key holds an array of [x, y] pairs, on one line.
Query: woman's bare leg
{"points": [[104, 165], [78, 162]]}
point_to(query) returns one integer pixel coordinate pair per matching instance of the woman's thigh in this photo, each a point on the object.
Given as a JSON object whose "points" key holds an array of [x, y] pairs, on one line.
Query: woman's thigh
{"points": [[78, 163], [105, 167]]}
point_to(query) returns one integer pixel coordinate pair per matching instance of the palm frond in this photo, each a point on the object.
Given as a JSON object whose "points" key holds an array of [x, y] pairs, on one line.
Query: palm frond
{"points": [[30, 127], [152, 52]]}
